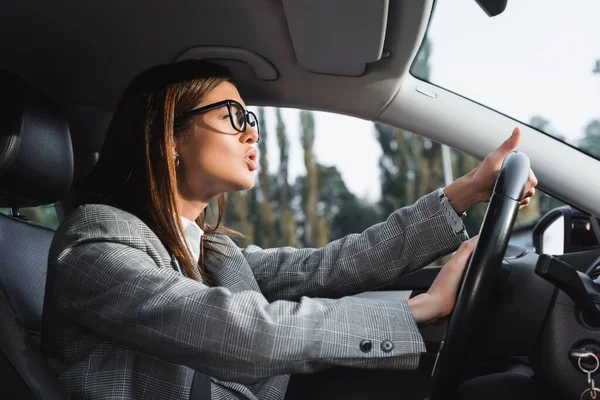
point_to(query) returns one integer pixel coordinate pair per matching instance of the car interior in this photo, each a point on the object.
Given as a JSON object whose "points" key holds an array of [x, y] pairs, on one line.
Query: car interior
{"points": [[530, 315]]}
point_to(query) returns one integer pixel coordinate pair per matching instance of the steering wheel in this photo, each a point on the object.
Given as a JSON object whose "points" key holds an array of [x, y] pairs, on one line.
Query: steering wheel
{"points": [[482, 277]]}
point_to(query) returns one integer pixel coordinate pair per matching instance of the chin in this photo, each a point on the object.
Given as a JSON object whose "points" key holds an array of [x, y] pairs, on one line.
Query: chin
{"points": [[246, 184]]}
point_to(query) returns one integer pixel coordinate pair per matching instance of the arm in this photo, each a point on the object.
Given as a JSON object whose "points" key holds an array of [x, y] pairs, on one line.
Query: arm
{"points": [[118, 291], [410, 238]]}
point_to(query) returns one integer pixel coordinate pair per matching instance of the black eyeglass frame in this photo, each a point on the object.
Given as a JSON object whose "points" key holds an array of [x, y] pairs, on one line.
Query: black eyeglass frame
{"points": [[228, 103]]}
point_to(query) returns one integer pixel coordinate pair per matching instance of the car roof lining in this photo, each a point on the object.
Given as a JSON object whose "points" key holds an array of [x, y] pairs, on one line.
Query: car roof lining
{"points": [[74, 55], [85, 53]]}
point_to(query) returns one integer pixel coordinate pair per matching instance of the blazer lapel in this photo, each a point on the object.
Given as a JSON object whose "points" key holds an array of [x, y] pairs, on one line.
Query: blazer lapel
{"points": [[176, 265], [228, 266]]}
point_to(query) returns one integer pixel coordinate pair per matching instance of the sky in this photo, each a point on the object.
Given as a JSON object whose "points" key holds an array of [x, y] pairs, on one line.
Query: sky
{"points": [[536, 58]]}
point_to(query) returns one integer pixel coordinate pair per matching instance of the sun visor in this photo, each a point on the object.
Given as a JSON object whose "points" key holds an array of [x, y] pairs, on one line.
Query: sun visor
{"points": [[262, 68], [337, 37]]}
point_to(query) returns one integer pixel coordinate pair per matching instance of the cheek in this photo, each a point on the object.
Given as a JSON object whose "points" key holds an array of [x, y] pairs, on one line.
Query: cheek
{"points": [[216, 154]]}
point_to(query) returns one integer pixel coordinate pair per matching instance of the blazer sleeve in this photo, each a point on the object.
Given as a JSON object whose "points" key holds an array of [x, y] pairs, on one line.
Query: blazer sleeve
{"points": [[114, 288], [410, 238]]}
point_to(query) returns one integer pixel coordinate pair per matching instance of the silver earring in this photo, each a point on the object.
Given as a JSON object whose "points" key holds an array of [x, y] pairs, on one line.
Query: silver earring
{"points": [[176, 161]]}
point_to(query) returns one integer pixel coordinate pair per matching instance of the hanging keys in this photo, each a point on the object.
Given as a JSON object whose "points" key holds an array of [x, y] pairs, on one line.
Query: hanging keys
{"points": [[591, 365], [590, 394]]}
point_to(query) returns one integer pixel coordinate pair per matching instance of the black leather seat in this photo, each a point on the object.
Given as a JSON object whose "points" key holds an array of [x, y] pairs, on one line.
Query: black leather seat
{"points": [[36, 168]]}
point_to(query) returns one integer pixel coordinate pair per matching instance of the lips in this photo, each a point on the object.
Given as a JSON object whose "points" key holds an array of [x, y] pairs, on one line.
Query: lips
{"points": [[251, 159]]}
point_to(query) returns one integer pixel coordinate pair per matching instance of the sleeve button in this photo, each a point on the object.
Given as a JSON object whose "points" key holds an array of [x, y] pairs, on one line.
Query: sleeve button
{"points": [[387, 346], [366, 346]]}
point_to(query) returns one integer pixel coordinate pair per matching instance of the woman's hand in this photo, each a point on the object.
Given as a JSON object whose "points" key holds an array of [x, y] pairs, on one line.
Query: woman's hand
{"points": [[438, 302], [478, 184], [484, 176]]}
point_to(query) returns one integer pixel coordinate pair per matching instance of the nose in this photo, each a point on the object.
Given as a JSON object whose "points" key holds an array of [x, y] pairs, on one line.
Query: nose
{"points": [[250, 136]]}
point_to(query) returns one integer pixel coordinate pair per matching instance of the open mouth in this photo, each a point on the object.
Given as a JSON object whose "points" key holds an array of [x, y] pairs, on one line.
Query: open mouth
{"points": [[251, 159]]}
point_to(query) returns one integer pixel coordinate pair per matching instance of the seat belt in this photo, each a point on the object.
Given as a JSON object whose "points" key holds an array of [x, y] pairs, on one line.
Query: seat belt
{"points": [[200, 387]]}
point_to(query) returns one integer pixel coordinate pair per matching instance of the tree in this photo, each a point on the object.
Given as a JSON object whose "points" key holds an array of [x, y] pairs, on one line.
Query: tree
{"points": [[239, 216], [339, 211], [591, 138], [542, 124], [287, 222], [420, 66], [411, 165], [311, 183], [346, 212], [265, 222], [394, 169]]}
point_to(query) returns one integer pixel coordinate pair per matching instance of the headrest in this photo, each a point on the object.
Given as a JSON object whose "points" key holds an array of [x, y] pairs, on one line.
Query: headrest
{"points": [[36, 157]]}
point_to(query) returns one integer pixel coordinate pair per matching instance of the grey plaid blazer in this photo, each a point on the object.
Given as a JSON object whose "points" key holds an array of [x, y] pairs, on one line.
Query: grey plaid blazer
{"points": [[121, 322]]}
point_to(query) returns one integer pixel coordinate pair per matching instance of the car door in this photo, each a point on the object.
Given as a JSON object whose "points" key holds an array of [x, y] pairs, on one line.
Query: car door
{"points": [[324, 176]]}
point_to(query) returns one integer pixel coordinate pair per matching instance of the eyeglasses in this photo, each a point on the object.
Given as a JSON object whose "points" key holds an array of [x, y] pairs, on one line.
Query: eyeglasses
{"points": [[238, 117]]}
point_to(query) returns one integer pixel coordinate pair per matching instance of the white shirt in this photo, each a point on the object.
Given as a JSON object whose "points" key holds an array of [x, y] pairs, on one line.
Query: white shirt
{"points": [[193, 234]]}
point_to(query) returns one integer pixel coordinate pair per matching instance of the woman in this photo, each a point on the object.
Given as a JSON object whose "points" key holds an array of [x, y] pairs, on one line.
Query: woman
{"points": [[141, 292]]}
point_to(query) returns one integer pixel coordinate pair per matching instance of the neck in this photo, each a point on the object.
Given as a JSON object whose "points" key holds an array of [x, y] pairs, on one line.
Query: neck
{"points": [[191, 208]]}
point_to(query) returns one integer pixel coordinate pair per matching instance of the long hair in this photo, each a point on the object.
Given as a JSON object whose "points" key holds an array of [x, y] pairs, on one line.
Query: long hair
{"points": [[136, 171]]}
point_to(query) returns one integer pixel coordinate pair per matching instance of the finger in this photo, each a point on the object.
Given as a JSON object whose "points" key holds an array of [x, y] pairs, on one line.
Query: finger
{"points": [[524, 203], [465, 250], [446, 283], [533, 178], [511, 143], [529, 193], [471, 242]]}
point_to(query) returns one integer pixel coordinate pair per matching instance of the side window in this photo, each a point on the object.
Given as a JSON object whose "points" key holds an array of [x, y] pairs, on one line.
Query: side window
{"points": [[323, 176], [319, 180], [49, 216]]}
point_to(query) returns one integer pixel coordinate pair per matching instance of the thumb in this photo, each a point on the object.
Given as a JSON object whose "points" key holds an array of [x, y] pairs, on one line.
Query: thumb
{"points": [[511, 143]]}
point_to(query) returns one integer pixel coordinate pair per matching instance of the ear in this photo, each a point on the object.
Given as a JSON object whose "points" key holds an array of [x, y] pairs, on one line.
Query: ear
{"points": [[176, 150]]}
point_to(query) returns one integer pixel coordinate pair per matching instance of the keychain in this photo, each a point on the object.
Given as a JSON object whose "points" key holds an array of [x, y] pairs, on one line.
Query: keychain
{"points": [[592, 392]]}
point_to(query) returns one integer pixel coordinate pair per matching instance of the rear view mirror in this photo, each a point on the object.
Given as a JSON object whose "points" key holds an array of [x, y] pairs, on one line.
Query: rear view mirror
{"points": [[565, 230], [492, 7]]}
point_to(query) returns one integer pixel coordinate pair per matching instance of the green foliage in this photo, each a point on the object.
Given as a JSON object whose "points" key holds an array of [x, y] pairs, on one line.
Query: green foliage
{"points": [[47, 215], [410, 166], [591, 138]]}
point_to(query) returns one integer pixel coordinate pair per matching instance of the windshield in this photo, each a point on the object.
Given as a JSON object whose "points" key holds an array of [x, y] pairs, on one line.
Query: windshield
{"points": [[537, 62]]}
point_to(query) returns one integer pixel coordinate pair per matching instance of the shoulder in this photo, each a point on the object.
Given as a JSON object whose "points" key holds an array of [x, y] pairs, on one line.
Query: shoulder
{"points": [[99, 222], [221, 245]]}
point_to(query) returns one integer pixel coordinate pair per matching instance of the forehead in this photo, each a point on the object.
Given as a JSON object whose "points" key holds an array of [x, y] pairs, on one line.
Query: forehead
{"points": [[223, 91]]}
